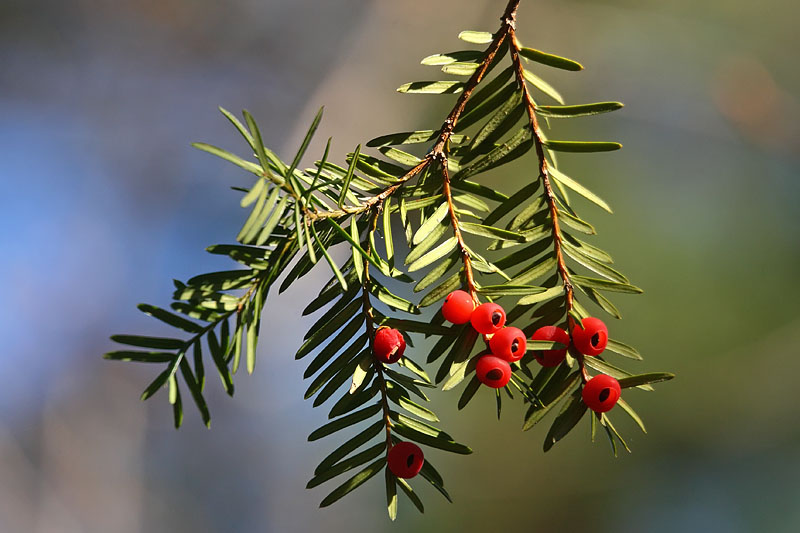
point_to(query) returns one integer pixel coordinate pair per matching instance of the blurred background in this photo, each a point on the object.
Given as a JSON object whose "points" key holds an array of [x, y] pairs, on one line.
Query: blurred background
{"points": [[104, 202]]}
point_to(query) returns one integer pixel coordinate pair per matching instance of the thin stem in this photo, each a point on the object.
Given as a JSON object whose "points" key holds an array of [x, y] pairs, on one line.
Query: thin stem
{"points": [[440, 150], [469, 277], [372, 201], [544, 175], [246, 296], [366, 307]]}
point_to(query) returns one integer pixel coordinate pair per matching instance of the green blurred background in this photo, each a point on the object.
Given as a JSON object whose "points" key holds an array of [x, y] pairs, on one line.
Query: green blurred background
{"points": [[104, 202]]}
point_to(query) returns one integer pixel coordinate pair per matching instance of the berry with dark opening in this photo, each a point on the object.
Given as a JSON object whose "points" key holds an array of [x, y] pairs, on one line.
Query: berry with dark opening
{"points": [[493, 371], [601, 393], [509, 344], [405, 459], [551, 357], [389, 345], [488, 318], [458, 307], [592, 338]]}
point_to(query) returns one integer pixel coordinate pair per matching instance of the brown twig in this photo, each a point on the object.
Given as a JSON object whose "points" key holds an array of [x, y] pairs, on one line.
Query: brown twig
{"points": [[440, 150], [544, 175], [371, 202], [469, 277]]}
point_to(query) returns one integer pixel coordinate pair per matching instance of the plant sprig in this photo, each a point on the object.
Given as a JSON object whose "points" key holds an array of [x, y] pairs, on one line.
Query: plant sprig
{"points": [[526, 247]]}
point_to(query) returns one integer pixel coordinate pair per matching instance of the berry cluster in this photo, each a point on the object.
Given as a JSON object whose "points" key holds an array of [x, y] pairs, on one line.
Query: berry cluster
{"points": [[508, 344]]}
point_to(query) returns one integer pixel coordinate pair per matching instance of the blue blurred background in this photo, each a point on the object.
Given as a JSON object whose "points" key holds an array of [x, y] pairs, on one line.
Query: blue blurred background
{"points": [[104, 202]]}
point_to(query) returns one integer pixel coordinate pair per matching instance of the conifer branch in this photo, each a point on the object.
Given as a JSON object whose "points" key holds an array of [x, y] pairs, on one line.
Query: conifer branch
{"points": [[535, 222]]}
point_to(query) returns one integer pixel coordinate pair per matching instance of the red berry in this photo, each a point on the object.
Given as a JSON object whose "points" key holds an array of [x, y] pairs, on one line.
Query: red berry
{"points": [[488, 318], [405, 459], [493, 371], [509, 344], [601, 393], [458, 307], [551, 357], [592, 338], [389, 345]]}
